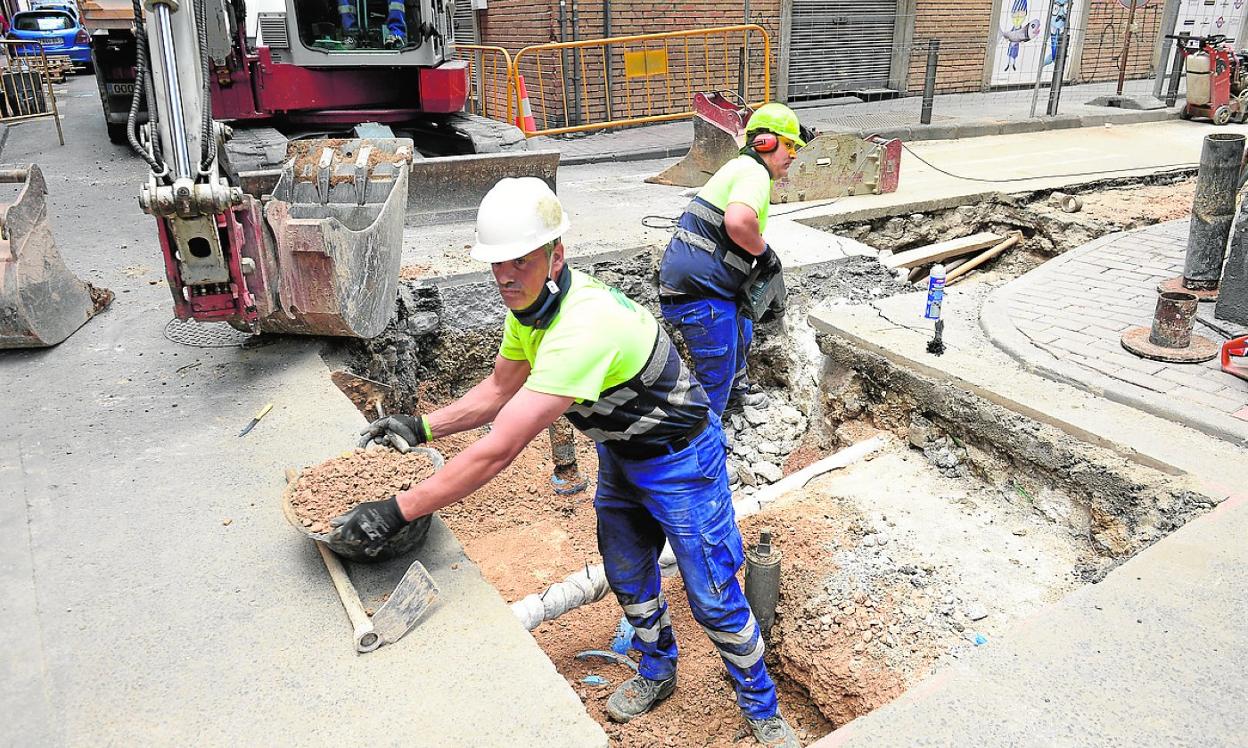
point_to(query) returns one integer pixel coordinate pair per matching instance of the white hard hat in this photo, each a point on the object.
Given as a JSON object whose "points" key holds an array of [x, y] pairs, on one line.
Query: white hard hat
{"points": [[517, 216]]}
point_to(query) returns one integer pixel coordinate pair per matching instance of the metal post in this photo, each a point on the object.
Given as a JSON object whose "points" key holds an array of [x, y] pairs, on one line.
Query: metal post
{"points": [[742, 55], [1126, 47], [577, 117], [1044, 43], [1059, 72], [1213, 210], [1176, 73], [606, 54], [567, 478], [929, 81]]}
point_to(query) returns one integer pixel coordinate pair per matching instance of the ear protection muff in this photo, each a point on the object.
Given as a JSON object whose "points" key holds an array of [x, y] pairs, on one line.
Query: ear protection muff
{"points": [[765, 142]]}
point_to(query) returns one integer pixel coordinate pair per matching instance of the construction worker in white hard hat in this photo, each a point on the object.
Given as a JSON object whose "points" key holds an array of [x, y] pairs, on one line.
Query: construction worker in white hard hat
{"points": [[575, 347], [717, 245]]}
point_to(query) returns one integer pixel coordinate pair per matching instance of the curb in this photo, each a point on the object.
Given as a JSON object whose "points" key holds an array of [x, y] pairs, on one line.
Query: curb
{"points": [[998, 325], [914, 133]]}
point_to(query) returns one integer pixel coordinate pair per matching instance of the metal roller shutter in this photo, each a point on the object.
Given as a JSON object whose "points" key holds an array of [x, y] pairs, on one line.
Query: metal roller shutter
{"points": [[463, 22], [840, 45]]}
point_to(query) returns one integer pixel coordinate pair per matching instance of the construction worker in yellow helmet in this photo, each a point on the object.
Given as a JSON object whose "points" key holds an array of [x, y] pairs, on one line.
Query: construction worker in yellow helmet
{"points": [[575, 347], [717, 244]]}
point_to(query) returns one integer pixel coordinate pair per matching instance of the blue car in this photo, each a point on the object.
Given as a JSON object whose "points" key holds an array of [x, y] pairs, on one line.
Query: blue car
{"points": [[58, 31]]}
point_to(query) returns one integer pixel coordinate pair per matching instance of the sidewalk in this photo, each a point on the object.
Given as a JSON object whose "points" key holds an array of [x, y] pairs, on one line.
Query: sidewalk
{"points": [[1064, 320], [953, 116]]}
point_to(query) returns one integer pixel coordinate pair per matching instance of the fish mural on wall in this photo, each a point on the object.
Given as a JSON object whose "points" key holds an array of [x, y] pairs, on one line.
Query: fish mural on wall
{"points": [[1021, 30]]}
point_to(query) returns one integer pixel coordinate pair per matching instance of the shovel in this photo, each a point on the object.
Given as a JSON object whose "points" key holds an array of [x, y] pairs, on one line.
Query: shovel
{"points": [[407, 604]]}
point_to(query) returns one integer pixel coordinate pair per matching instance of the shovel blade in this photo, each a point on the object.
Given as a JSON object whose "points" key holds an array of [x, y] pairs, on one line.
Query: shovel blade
{"points": [[411, 599]]}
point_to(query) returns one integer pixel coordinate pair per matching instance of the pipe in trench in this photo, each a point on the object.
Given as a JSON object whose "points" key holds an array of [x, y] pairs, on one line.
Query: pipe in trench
{"points": [[590, 585]]}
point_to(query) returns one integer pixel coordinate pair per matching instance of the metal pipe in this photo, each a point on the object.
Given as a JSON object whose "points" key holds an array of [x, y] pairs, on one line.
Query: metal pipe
{"points": [[1044, 43], [567, 477], [577, 116], [1059, 72], [606, 54], [1213, 210], [1176, 72], [1173, 320], [929, 81], [762, 581], [1126, 46], [173, 94]]}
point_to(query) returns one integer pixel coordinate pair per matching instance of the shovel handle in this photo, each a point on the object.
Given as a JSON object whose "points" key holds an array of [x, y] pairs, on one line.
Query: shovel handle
{"points": [[366, 640]]}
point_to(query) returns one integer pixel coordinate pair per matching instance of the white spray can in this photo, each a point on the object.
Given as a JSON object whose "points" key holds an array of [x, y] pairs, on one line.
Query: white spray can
{"points": [[935, 291]]}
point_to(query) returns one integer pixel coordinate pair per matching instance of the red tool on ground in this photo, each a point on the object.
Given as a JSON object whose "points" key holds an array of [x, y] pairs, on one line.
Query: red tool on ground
{"points": [[1237, 347], [1217, 78]]}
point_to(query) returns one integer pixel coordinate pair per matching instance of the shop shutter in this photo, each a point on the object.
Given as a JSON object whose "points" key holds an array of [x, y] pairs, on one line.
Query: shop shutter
{"points": [[840, 46]]}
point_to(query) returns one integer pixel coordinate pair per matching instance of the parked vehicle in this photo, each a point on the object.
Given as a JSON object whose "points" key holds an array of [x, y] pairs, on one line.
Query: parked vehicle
{"points": [[58, 31]]}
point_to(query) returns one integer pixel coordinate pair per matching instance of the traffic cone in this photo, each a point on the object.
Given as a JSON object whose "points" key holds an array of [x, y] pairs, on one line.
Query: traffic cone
{"points": [[524, 120]]}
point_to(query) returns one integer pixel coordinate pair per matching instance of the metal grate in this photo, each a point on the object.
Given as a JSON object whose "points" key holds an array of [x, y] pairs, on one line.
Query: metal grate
{"points": [[273, 30], [200, 335], [840, 45]]}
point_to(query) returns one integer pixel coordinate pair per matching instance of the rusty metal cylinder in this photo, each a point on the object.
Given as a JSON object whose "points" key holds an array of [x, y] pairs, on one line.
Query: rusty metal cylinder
{"points": [[567, 477], [1213, 210], [1173, 320], [762, 581]]}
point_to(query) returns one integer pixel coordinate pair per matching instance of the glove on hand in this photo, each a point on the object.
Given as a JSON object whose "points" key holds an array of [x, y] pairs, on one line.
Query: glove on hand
{"points": [[369, 525], [400, 432], [769, 261]]}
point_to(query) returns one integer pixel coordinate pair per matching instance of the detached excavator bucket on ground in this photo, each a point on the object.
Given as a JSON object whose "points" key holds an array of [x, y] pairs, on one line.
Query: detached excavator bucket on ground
{"points": [[838, 164], [718, 134], [41, 301]]}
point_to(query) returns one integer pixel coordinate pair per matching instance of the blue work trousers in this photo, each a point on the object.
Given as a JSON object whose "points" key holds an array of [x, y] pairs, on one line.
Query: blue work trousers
{"points": [[719, 338], [682, 498]]}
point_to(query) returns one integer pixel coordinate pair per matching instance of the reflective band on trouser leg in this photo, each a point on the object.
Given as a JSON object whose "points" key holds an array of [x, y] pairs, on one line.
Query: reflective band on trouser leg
{"points": [[630, 540]]}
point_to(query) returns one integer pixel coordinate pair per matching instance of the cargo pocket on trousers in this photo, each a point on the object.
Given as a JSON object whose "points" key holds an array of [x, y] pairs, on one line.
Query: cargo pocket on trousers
{"points": [[723, 552]]}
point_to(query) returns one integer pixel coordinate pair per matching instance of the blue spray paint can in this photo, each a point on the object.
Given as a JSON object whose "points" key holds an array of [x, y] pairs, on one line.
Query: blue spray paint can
{"points": [[935, 291]]}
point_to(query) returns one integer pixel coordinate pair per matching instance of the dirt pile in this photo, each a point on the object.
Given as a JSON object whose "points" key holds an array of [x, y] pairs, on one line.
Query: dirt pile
{"points": [[325, 491]]}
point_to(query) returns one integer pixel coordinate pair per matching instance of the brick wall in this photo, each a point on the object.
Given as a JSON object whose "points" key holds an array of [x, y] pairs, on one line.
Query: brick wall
{"points": [[1104, 34], [964, 28], [693, 66]]}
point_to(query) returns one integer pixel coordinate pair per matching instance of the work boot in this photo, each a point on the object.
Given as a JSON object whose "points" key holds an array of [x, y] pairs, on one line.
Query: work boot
{"points": [[774, 732], [638, 695]]}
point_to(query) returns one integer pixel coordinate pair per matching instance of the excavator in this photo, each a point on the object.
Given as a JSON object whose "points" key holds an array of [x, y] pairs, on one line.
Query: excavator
{"points": [[285, 169]]}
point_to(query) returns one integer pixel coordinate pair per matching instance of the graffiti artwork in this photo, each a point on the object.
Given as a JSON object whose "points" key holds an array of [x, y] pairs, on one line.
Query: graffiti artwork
{"points": [[1022, 48]]}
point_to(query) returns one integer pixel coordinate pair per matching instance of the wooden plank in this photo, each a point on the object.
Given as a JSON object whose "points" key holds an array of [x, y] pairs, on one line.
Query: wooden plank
{"points": [[941, 250]]}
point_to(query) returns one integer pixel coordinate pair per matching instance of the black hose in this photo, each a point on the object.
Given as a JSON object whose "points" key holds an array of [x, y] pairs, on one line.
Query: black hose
{"points": [[142, 84], [208, 146]]}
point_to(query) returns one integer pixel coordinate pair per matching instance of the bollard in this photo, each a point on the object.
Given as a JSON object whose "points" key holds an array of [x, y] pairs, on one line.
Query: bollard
{"points": [[929, 81], [567, 478], [1170, 338], [1213, 210], [1059, 72], [1176, 73]]}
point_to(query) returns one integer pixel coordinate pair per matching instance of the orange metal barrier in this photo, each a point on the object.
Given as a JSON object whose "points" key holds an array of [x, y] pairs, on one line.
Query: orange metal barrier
{"points": [[630, 80], [491, 81], [25, 84]]}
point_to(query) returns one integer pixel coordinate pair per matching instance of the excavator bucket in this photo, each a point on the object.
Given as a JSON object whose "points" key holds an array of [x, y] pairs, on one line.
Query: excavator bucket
{"points": [[41, 301], [450, 188], [838, 164], [336, 215], [718, 134]]}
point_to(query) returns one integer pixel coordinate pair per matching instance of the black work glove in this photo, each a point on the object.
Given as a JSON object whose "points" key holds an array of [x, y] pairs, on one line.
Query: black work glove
{"points": [[369, 525], [769, 261], [401, 432]]}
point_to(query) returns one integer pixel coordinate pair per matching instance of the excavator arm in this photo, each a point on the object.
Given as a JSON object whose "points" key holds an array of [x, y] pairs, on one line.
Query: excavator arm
{"points": [[319, 254]]}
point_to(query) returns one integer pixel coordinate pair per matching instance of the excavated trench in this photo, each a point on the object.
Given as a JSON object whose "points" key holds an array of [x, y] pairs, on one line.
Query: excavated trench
{"points": [[970, 518]]}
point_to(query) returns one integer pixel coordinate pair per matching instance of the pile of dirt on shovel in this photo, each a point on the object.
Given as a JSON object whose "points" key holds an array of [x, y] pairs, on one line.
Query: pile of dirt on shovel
{"points": [[325, 491]]}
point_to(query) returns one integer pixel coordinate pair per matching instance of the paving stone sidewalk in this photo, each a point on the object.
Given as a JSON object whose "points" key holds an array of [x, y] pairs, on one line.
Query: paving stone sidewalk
{"points": [[1064, 320]]}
